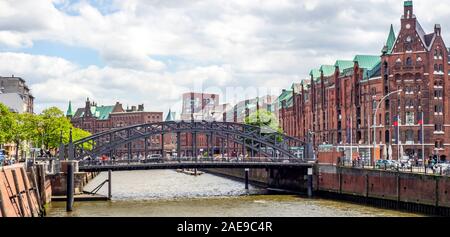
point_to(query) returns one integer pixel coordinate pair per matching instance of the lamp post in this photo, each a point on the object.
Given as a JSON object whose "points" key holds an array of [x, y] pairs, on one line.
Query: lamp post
{"points": [[375, 121]]}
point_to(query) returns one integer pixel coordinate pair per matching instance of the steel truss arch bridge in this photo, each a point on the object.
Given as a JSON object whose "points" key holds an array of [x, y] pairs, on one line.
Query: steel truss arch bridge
{"points": [[257, 147]]}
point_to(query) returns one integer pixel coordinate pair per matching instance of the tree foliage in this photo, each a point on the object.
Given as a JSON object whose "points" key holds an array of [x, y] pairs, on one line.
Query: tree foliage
{"points": [[42, 130], [264, 119]]}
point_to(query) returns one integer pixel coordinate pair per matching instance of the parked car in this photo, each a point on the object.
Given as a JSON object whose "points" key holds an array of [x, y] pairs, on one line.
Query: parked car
{"points": [[154, 158], [441, 166], [387, 164], [2, 157]]}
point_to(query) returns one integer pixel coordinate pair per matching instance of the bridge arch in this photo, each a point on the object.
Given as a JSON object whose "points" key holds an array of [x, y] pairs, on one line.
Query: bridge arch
{"points": [[252, 139]]}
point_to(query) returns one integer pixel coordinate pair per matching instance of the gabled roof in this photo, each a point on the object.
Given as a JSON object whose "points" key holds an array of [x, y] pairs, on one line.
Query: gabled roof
{"points": [[327, 70], [296, 87], [99, 112], [368, 62], [286, 95], [344, 64], [102, 112], [315, 73]]}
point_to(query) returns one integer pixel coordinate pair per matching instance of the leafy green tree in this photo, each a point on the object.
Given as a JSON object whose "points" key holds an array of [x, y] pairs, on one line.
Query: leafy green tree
{"points": [[264, 119], [6, 120], [267, 122], [50, 124], [23, 128]]}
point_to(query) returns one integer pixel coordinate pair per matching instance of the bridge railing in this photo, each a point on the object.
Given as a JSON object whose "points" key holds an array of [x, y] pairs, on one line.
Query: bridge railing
{"points": [[118, 162]]}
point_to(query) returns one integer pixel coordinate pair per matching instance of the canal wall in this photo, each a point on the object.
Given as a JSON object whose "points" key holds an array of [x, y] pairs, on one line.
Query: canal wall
{"points": [[292, 179], [59, 182], [19, 193], [391, 189]]}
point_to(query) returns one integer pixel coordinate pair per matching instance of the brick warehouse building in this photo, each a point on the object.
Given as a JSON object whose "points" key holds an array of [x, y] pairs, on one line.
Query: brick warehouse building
{"points": [[336, 105], [95, 119]]}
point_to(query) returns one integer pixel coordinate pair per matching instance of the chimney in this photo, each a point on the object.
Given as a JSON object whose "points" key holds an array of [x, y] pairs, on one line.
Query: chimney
{"points": [[141, 107], [437, 29], [133, 108]]}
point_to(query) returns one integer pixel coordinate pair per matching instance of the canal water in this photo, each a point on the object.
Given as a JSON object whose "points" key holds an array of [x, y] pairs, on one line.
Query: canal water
{"points": [[168, 193]]}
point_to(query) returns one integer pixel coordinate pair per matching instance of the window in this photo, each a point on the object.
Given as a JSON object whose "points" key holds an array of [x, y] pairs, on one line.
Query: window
{"points": [[409, 135], [441, 68], [408, 61], [438, 94], [410, 118], [436, 67], [438, 128], [438, 108], [438, 144]]}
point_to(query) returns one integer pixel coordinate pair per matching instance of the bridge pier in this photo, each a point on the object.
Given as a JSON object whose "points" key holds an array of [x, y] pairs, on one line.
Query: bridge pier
{"points": [[310, 182], [246, 178], [70, 187], [109, 184]]}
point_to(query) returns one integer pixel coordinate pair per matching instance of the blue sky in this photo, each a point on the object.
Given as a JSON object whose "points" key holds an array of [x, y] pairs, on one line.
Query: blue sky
{"points": [[151, 51]]}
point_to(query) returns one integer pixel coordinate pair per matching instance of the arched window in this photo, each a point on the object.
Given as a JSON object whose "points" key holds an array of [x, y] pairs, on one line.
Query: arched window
{"points": [[441, 68]]}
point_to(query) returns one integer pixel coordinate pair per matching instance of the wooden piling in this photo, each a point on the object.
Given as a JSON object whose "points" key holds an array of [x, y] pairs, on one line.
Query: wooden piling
{"points": [[27, 192], [18, 193]]}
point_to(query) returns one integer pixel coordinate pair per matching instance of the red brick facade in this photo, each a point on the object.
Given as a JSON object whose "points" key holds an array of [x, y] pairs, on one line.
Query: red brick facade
{"points": [[337, 105]]}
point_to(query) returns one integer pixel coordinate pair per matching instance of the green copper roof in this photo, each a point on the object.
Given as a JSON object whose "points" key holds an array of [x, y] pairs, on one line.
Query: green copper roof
{"points": [[170, 116], [390, 40], [69, 110], [315, 73], [286, 95], [408, 3], [368, 62], [327, 70], [102, 112], [344, 64]]}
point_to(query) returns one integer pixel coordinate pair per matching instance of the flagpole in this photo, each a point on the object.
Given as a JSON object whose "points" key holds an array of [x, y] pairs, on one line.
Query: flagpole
{"points": [[398, 137], [423, 140]]}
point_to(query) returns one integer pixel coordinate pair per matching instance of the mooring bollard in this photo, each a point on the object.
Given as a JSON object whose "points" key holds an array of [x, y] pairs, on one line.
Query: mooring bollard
{"points": [[70, 187], [109, 184], [246, 178]]}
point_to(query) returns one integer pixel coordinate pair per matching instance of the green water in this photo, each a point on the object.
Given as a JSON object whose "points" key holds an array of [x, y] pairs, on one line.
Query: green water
{"points": [[170, 194]]}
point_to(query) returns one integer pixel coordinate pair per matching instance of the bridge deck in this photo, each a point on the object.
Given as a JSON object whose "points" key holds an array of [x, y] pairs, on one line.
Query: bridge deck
{"points": [[190, 165]]}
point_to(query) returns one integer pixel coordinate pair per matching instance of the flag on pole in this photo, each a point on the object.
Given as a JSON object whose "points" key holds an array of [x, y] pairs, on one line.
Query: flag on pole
{"points": [[420, 122], [396, 121]]}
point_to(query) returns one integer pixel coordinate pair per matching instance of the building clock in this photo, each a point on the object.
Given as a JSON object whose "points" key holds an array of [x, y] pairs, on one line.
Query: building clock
{"points": [[408, 26]]}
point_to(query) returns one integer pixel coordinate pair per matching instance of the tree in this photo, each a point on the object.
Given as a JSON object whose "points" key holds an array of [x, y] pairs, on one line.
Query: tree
{"points": [[6, 120], [265, 120], [23, 128], [51, 122]]}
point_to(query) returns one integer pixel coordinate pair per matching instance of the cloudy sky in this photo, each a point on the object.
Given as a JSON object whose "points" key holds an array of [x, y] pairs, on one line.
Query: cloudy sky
{"points": [[151, 51]]}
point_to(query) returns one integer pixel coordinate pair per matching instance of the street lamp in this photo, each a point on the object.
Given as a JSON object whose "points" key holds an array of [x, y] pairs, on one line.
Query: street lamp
{"points": [[375, 121]]}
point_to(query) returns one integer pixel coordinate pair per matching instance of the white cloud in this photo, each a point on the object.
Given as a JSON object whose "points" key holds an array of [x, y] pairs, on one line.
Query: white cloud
{"points": [[155, 50]]}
